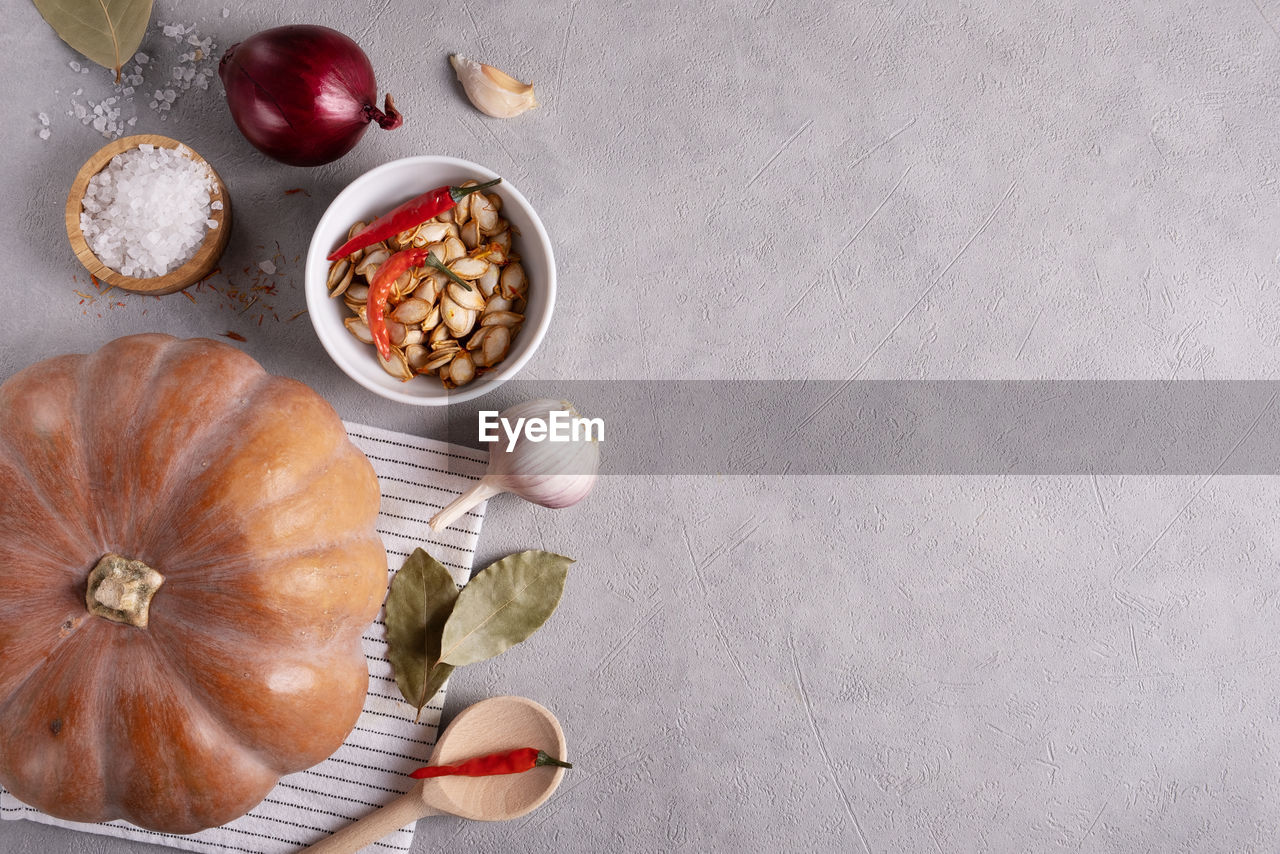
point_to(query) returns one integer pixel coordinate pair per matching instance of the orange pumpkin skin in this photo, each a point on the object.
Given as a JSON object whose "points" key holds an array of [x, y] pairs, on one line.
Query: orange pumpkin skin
{"points": [[244, 492]]}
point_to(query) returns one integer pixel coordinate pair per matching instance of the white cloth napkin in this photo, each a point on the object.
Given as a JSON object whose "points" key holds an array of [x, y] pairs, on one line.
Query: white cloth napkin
{"points": [[418, 476]]}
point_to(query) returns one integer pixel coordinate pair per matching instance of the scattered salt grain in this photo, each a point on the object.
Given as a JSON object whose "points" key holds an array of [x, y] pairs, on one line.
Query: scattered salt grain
{"points": [[226, 13], [45, 133], [147, 212], [267, 267], [75, 66]]}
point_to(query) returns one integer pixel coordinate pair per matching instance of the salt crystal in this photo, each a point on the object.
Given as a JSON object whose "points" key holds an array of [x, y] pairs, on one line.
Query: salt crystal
{"points": [[212, 223], [146, 213], [142, 58], [226, 13], [44, 119], [216, 206], [75, 66], [267, 267], [44, 133]]}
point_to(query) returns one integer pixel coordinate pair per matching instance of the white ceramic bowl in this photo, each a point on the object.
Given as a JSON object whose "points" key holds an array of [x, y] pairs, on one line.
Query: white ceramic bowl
{"points": [[378, 191]]}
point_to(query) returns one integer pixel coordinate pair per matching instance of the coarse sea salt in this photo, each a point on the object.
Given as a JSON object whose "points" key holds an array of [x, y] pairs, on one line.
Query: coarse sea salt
{"points": [[147, 212]]}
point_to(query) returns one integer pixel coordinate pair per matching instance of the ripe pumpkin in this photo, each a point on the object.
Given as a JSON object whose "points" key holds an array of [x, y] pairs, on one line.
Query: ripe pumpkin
{"points": [[243, 492]]}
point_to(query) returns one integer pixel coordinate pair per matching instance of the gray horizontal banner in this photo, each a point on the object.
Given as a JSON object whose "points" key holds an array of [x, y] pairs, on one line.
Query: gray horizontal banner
{"points": [[774, 427]]}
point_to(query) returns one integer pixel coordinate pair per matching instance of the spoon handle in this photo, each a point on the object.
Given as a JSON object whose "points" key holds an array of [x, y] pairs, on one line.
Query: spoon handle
{"points": [[404, 810]]}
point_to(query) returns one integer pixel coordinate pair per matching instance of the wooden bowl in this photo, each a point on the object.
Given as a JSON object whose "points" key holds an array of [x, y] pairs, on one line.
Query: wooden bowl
{"points": [[200, 265]]}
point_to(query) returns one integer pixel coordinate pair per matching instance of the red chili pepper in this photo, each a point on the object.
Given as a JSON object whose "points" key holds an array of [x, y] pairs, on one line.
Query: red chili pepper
{"points": [[511, 762], [413, 212], [380, 290]]}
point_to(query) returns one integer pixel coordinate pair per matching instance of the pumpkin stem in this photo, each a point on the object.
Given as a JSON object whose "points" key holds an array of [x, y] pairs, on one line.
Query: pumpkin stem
{"points": [[120, 590]]}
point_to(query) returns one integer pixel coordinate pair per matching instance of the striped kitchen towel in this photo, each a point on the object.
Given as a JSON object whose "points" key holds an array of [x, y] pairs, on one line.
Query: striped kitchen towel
{"points": [[418, 477]]}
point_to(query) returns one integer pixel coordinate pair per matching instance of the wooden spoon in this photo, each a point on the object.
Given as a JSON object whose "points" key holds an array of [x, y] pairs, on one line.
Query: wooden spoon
{"points": [[490, 726]]}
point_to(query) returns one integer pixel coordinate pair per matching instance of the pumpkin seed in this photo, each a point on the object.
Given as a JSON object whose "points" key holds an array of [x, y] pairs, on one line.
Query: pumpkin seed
{"points": [[372, 260], [470, 234], [414, 335], [396, 332], [440, 337], [494, 346], [430, 287], [454, 248], [502, 318], [457, 319], [477, 337], [437, 360], [462, 369], [340, 276], [496, 304], [431, 232], [468, 268], [417, 356], [437, 249], [359, 329], [355, 229], [489, 280], [403, 286], [512, 283], [432, 320], [396, 365], [485, 214], [495, 254], [357, 294], [412, 310], [404, 238], [471, 299]]}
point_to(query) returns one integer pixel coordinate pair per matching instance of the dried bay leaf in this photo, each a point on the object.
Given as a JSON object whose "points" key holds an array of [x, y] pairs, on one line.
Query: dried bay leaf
{"points": [[503, 605], [421, 597], [106, 31]]}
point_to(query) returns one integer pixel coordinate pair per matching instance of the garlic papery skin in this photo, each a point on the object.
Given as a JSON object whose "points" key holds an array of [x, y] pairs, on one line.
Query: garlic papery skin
{"points": [[493, 92], [551, 473]]}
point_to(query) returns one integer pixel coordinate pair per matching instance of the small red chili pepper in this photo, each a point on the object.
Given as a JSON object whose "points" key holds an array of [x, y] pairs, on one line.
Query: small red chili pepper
{"points": [[413, 212], [380, 290], [511, 762]]}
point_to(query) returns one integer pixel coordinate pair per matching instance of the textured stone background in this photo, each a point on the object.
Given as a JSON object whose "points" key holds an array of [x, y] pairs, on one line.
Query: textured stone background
{"points": [[796, 190]]}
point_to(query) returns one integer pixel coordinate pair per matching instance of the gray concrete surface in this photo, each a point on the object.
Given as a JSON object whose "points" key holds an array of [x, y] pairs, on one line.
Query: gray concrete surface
{"points": [[908, 189]]}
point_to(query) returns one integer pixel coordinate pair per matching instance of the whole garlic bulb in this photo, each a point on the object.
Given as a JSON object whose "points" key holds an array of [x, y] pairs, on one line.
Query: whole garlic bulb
{"points": [[553, 474], [494, 93]]}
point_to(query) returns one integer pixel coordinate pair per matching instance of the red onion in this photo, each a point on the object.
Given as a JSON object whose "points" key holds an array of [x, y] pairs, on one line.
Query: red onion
{"points": [[302, 94]]}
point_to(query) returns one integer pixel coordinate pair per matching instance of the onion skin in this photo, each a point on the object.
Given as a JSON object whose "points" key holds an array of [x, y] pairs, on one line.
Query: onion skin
{"points": [[302, 94]]}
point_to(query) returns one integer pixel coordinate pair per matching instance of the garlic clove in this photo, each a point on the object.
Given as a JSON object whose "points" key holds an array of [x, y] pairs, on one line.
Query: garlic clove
{"points": [[553, 474], [493, 92]]}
